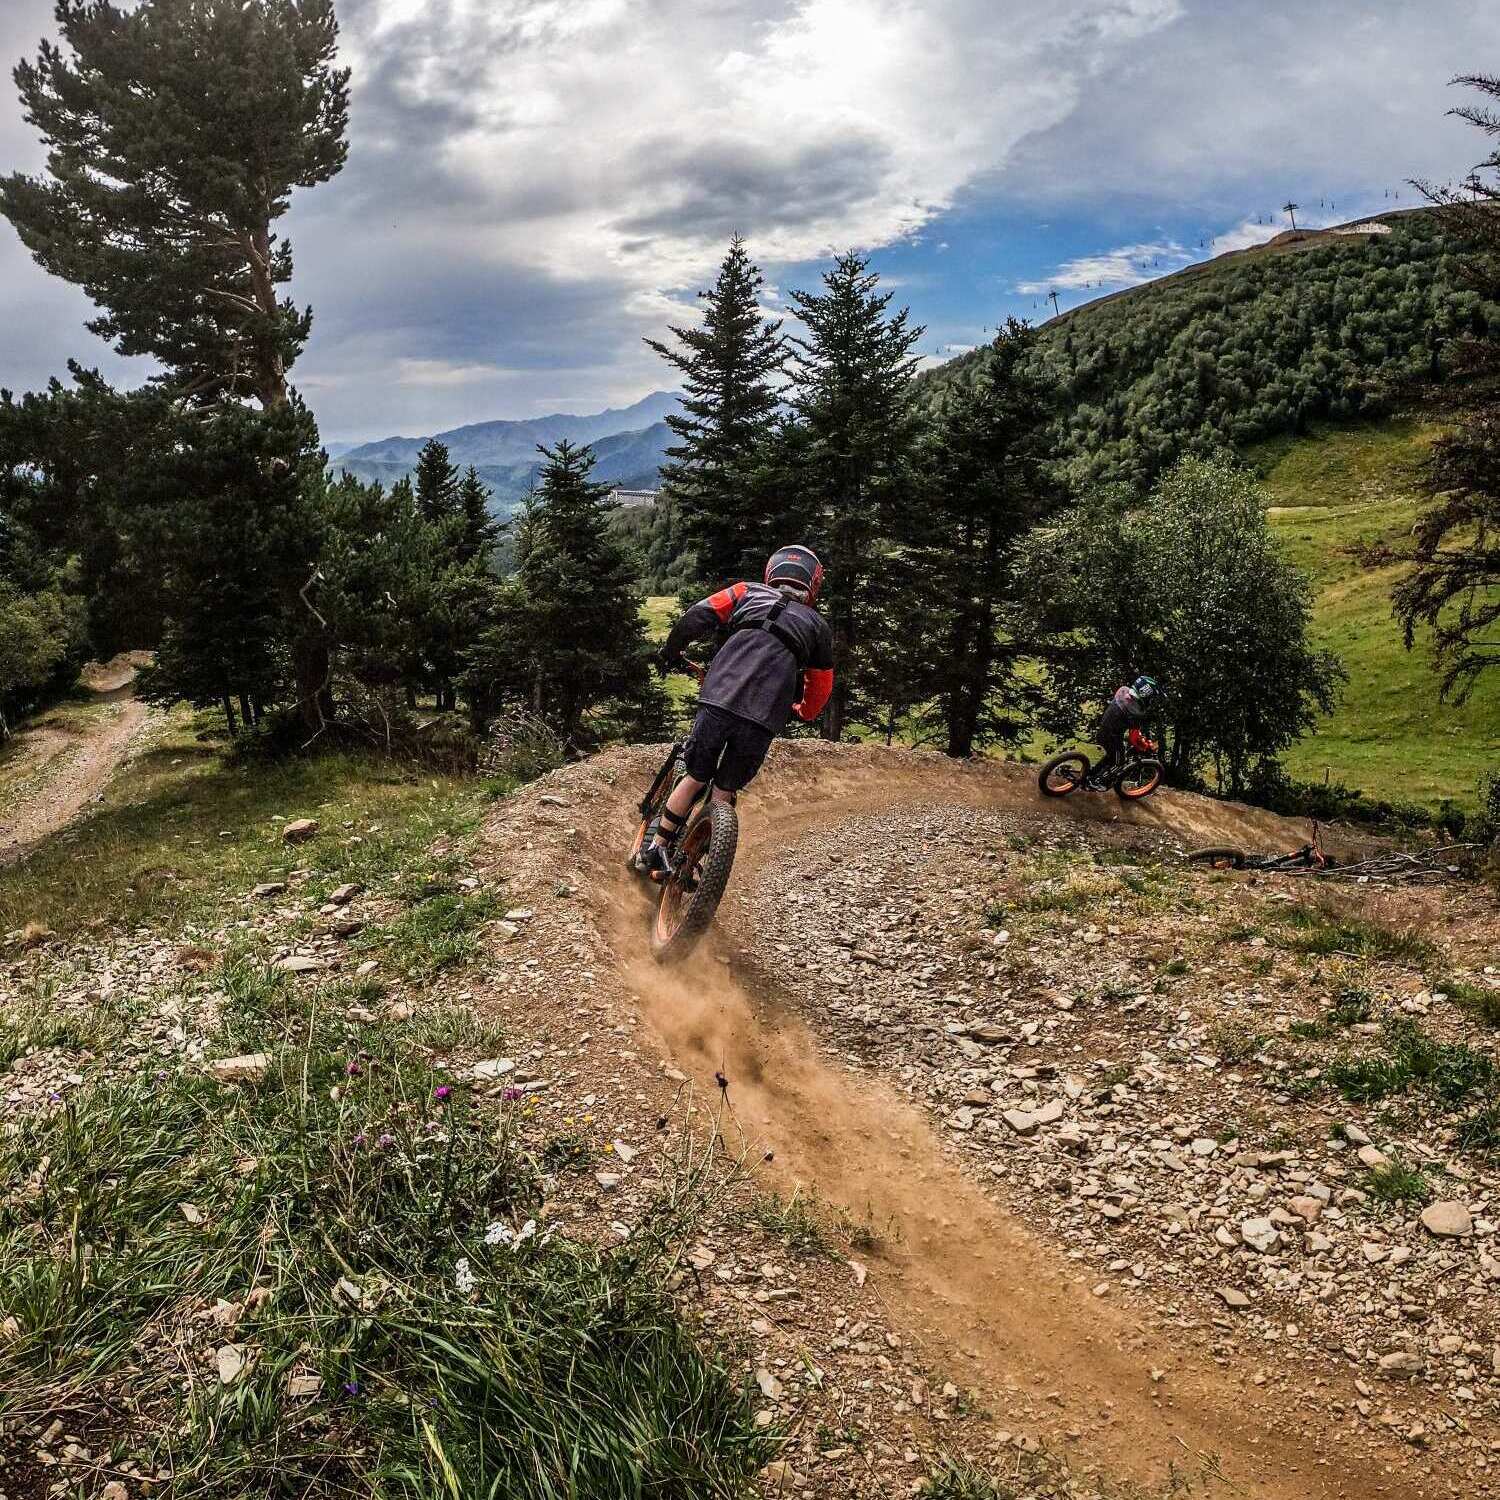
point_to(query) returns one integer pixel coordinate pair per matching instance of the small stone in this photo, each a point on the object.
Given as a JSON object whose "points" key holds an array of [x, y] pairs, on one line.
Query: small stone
{"points": [[269, 889], [770, 1387], [190, 1212], [301, 1387], [300, 831], [1372, 1157], [700, 1257], [230, 1362], [1356, 1136], [492, 1068], [1232, 1297], [299, 963], [114, 1490], [1205, 1146], [1259, 1234], [1309, 1210], [508, 930], [609, 1181], [1448, 1219], [860, 1273], [345, 894], [1402, 1363], [520, 914], [627, 1154], [1021, 1121], [248, 1068], [961, 1119]]}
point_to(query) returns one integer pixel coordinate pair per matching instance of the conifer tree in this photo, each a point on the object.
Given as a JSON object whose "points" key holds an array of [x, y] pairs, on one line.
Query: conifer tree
{"points": [[853, 451], [436, 483], [985, 481], [1453, 590], [480, 529], [570, 643], [729, 368], [177, 131]]}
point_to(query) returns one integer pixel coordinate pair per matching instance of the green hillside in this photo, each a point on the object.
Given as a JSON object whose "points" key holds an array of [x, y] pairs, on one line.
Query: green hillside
{"points": [[1249, 346], [1336, 493]]}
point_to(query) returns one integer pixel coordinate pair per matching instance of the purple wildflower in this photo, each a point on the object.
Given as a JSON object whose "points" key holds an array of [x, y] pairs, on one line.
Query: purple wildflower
{"points": [[361, 1139], [441, 1092], [351, 1388], [510, 1096], [354, 1070]]}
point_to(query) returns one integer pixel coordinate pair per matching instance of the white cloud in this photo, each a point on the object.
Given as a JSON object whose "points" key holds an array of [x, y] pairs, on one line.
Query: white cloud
{"points": [[1134, 265]]}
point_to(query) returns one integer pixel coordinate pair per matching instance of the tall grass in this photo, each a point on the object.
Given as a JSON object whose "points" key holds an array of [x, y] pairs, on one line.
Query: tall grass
{"points": [[341, 1212]]}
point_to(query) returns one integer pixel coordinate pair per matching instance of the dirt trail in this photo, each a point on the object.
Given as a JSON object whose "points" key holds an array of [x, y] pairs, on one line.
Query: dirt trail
{"points": [[974, 1280], [61, 771]]}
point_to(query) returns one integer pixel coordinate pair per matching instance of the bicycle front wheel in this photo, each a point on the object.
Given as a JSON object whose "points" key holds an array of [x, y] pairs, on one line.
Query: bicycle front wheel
{"points": [[689, 900], [1139, 779]]}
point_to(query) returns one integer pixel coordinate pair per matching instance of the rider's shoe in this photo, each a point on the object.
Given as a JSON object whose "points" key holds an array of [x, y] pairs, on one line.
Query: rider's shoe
{"points": [[656, 861]]}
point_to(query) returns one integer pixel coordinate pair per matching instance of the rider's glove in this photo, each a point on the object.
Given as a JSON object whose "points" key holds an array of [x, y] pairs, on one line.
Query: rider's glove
{"points": [[663, 662]]}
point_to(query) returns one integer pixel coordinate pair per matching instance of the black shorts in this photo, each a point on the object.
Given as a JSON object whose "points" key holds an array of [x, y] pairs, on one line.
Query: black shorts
{"points": [[725, 749]]}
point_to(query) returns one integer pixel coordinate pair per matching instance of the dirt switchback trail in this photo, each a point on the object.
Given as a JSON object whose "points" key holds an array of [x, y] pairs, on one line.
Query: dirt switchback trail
{"points": [[59, 771], [1012, 1312]]}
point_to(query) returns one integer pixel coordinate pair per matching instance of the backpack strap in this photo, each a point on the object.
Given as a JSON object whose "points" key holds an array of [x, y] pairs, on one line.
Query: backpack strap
{"points": [[772, 625]]}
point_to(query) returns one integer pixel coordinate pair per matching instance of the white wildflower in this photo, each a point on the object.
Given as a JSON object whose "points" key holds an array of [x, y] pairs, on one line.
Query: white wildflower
{"points": [[499, 1234], [463, 1275], [528, 1229]]}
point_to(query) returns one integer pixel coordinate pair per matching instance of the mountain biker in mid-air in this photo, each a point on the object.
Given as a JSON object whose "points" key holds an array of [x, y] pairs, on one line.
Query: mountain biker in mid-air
{"points": [[1130, 708], [777, 661]]}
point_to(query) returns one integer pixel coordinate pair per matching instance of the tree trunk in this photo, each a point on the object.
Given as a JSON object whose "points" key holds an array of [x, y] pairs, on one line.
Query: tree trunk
{"points": [[246, 717], [312, 669], [270, 369], [229, 715], [836, 714]]}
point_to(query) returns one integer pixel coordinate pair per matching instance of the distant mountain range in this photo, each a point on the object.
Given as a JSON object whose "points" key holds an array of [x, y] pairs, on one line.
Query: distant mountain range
{"points": [[629, 444]]}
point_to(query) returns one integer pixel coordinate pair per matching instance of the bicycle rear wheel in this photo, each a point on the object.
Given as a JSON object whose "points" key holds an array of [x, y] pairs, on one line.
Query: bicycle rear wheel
{"points": [[689, 900], [1217, 856], [1063, 774]]}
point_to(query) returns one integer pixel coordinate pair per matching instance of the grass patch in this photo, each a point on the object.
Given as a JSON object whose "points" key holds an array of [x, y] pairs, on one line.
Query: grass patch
{"points": [[1477, 1000], [389, 1341], [1352, 1008], [1234, 1040], [1448, 1071], [960, 1480], [793, 1221], [187, 827], [1396, 1182], [1315, 930], [437, 932], [1338, 491]]}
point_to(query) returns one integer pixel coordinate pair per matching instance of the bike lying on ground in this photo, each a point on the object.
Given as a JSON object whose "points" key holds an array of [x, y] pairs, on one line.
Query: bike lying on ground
{"points": [[1227, 857], [702, 858], [1137, 775]]}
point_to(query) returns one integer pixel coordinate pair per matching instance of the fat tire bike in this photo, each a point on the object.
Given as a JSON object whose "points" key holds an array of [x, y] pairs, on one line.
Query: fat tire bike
{"points": [[1137, 775], [702, 858], [1309, 858]]}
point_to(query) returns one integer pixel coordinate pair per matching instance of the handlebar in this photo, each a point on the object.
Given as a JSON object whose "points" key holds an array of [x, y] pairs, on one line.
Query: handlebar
{"points": [[697, 669]]}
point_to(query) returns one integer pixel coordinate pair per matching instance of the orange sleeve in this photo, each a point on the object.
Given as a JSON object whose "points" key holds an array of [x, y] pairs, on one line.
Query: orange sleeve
{"points": [[817, 688], [724, 601]]}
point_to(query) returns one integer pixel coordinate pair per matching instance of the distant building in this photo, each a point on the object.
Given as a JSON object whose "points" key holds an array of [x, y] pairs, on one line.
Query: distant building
{"points": [[633, 499]]}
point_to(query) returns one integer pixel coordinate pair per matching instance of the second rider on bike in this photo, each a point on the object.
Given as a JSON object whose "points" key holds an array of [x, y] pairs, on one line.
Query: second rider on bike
{"points": [[777, 661]]}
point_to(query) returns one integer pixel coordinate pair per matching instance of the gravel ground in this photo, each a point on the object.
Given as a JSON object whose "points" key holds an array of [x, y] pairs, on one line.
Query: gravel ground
{"points": [[1111, 1044]]}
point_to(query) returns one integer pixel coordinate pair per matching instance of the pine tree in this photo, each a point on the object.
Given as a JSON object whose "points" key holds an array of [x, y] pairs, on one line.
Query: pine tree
{"points": [[177, 132], [729, 367], [1453, 589], [854, 447], [985, 481], [480, 529], [571, 644], [437, 486]]}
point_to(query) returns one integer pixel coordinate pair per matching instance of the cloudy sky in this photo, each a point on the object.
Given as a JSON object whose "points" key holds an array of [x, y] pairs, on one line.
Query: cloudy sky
{"points": [[536, 184]]}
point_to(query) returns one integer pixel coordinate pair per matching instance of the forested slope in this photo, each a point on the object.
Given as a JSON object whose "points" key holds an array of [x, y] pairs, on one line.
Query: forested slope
{"points": [[1250, 346]]}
